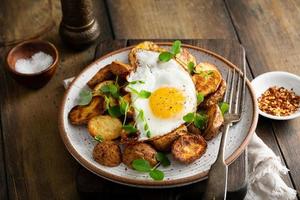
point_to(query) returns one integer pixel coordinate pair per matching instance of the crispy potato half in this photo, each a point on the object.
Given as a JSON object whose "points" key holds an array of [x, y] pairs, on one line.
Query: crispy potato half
{"points": [[139, 151], [185, 57], [82, 114], [188, 148], [109, 128], [97, 88], [207, 79], [215, 121], [107, 153], [193, 129], [165, 142], [215, 97], [147, 45], [115, 68]]}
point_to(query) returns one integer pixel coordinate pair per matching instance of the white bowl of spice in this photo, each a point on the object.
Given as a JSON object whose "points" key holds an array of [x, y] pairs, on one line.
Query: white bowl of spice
{"points": [[278, 95]]}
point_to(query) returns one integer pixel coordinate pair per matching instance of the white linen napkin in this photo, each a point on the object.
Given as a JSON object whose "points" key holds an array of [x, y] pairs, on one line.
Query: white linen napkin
{"points": [[265, 170]]}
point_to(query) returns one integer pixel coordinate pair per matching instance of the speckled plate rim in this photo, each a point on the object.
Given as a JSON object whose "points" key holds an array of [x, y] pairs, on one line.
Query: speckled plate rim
{"points": [[149, 183]]}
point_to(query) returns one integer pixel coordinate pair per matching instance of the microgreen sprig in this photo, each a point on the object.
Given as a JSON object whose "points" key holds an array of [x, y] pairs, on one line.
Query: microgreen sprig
{"points": [[199, 119], [175, 49], [144, 94], [142, 165], [224, 107], [200, 98], [85, 97], [141, 116]]}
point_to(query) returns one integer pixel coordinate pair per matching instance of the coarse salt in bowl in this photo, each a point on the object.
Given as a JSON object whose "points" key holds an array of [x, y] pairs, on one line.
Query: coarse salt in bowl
{"points": [[32, 63], [280, 79]]}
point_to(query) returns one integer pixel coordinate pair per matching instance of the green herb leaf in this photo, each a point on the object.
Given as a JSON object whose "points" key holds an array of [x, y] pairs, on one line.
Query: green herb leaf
{"points": [[141, 165], [130, 128], [165, 56], [144, 94], [114, 111], [141, 115], [137, 81], [111, 89], [189, 117], [148, 133], [85, 97], [224, 107], [157, 175], [191, 67], [124, 106], [98, 138], [175, 49], [200, 120], [163, 159], [200, 98]]}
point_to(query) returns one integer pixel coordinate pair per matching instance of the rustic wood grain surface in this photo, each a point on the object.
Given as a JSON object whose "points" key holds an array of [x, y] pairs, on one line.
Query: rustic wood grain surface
{"points": [[33, 161]]}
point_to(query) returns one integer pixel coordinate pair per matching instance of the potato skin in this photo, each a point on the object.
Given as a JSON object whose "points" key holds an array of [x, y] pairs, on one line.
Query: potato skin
{"points": [[115, 68], [193, 129], [139, 151], [209, 84], [188, 148], [165, 142], [109, 128], [107, 153], [147, 45], [215, 97], [185, 57], [215, 121], [80, 115]]}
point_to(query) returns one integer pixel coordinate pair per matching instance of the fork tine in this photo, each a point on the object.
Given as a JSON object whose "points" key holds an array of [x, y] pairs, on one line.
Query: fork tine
{"points": [[226, 95], [237, 95], [231, 91], [243, 89]]}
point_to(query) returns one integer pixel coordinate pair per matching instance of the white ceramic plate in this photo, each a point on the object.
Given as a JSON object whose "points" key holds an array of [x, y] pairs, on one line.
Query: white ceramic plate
{"points": [[80, 144], [281, 79]]}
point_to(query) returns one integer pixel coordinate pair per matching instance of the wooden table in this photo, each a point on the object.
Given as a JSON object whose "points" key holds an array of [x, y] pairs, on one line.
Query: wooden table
{"points": [[34, 163]]}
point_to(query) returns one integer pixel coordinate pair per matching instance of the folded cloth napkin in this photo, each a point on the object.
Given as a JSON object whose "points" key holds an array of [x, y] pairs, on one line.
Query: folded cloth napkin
{"points": [[265, 170]]}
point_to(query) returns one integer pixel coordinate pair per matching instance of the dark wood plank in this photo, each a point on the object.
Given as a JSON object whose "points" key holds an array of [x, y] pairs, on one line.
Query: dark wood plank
{"points": [[189, 19], [38, 164], [269, 31]]}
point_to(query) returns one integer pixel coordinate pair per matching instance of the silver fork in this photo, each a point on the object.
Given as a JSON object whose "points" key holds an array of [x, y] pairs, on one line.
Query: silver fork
{"points": [[234, 96]]}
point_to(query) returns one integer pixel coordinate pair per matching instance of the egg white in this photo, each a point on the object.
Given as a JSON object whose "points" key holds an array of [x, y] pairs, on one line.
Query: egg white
{"points": [[156, 74]]}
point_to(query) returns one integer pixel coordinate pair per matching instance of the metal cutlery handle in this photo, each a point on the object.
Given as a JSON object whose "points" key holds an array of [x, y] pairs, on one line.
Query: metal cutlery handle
{"points": [[217, 178]]}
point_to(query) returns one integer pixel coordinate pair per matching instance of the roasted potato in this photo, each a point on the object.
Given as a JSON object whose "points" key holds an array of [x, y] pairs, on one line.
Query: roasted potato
{"points": [[109, 128], [107, 153], [207, 79], [146, 46], [215, 121], [139, 151], [188, 148], [115, 68], [185, 57], [97, 88], [82, 114], [165, 142], [193, 129], [215, 97], [131, 138]]}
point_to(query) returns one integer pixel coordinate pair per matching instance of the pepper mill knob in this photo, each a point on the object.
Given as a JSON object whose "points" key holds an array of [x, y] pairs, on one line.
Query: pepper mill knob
{"points": [[78, 27]]}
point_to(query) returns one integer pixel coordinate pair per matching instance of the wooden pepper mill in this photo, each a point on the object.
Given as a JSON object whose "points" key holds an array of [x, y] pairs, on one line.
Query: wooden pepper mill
{"points": [[78, 27]]}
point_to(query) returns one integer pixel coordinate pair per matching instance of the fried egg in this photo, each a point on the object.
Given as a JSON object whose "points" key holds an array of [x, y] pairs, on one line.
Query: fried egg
{"points": [[173, 94]]}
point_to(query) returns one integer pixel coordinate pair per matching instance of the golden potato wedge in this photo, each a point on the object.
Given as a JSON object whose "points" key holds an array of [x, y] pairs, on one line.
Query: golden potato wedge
{"points": [[188, 148], [139, 151], [82, 114], [185, 57], [215, 121], [165, 142], [97, 88], [207, 79], [193, 129], [215, 97], [115, 68], [107, 153], [147, 45], [109, 128]]}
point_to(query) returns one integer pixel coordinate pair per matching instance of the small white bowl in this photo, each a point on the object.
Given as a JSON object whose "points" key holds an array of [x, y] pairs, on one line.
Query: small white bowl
{"points": [[277, 78]]}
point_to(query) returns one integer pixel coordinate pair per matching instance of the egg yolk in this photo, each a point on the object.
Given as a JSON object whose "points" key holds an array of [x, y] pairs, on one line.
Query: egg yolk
{"points": [[166, 102]]}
